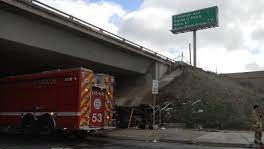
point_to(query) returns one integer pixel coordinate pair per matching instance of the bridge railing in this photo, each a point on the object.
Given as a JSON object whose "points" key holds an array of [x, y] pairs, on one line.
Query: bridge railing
{"points": [[100, 30]]}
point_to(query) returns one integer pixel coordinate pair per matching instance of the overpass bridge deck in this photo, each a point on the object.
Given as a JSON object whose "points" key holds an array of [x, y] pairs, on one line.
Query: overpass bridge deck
{"points": [[92, 29]]}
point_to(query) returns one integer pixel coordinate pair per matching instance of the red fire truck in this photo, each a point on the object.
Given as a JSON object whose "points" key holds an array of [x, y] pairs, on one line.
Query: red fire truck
{"points": [[68, 99]]}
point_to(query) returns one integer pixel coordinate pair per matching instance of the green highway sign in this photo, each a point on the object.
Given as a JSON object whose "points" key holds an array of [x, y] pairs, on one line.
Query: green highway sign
{"points": [[195, 20]]}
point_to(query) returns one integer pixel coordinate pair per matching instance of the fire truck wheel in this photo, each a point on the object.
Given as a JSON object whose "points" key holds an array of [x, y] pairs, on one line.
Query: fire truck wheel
{"points": [[45, 124], [28, 123]]}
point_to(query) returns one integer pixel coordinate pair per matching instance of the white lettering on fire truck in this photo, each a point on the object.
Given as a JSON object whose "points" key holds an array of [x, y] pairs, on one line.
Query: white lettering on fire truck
{"points": [[96, 93], [68, 79], [46, 82]]}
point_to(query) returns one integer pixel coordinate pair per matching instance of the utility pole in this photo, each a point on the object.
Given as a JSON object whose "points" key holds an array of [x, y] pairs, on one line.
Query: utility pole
{"points": [[182, 57], [190, 53], [194, 48]]}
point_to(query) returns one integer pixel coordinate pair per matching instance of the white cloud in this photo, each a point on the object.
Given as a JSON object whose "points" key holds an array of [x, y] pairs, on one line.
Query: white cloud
{"points": [[99, 13]]}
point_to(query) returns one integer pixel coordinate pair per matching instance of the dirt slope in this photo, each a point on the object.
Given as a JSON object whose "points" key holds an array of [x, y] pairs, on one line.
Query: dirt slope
{"points": [[208, 99]]}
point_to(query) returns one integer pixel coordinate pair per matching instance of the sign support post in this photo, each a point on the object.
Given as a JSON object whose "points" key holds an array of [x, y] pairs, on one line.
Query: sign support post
{"points": [[155, 86], [190, 54], [193, 21], [155, 90], [154, 110], [194, 48]]}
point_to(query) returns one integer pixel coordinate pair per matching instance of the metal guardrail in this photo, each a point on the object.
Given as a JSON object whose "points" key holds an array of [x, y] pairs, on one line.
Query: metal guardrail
{"points": [[100, 30]]}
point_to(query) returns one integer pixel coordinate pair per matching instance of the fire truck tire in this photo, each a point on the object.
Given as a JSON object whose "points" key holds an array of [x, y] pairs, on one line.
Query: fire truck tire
{"points": [[28, 124], [46, 124]]}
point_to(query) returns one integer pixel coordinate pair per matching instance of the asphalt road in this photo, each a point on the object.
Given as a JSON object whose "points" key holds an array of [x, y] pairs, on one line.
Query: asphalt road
{"points": [[29, 142]]}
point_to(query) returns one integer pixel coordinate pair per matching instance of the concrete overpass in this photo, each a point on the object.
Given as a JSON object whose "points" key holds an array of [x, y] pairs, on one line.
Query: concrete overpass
{"points": [[36, 37]]}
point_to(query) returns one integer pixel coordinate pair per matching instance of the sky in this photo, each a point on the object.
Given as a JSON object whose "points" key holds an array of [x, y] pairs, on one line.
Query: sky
{"points": [[234, 46]]}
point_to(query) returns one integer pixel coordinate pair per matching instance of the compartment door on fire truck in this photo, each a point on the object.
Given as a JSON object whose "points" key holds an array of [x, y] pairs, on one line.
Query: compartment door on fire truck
{"points": [[97, 107]]}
